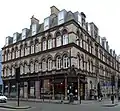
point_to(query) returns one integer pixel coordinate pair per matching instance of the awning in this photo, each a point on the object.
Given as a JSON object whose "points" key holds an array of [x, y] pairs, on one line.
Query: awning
{"points": [[83, 81]]}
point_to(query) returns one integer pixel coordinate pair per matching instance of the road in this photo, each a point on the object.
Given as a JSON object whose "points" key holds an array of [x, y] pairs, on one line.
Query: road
{"points": [[62, 107]]}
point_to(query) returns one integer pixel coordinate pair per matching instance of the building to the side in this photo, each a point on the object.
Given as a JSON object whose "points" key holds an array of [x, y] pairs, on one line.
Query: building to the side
{"points": [[65, 50], [1, 83]]}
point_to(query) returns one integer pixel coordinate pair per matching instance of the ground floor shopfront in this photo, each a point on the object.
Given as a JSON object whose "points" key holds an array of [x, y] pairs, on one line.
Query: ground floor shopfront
{"points": [[49, 87]]}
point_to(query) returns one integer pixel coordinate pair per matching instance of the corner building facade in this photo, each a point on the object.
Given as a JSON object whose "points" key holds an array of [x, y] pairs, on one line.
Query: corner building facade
{"points": [[46, 53]]}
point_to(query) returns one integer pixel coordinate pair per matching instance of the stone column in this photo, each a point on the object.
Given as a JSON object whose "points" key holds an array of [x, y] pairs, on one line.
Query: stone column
{"points": [[86, 92], [65, 87], [8, 89], [37, 89], [53, 89], [78, 88], [26, 90]]}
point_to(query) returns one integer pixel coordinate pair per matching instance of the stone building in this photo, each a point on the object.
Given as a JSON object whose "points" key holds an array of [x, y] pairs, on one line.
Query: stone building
{"points": [[47, 52]]}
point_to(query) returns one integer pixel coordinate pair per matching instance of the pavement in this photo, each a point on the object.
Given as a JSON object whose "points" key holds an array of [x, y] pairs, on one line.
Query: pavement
{"points": [[86, 105]]}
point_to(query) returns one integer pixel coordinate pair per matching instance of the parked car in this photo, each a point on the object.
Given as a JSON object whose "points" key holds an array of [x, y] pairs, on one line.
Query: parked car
{"points": [[3, 99]]}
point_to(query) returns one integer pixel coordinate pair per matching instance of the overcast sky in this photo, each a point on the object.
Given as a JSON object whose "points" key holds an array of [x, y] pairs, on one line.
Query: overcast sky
{"points": [[15, 15]]}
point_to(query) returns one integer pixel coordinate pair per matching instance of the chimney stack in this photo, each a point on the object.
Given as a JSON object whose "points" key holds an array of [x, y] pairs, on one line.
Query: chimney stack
{"points": [[34, 20], [54, 10]]}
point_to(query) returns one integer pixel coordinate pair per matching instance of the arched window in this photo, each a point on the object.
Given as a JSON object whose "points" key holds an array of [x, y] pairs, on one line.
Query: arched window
{"points": [[65, 37], [65, 61], [78, 61], [13, 71], [36, 66], [31, 67], [49, 43], [77, 38], [4, 72], [9, 54], [82, 62], [43, 65], [58, 62], [9, 72], [92, 66], [21, 69], [13, 53], [81, 41], [44, 44], [22, 50], [88, 66], [58, 39], [32, 47], [49, 64], [36, 45], [26, 49], [26, 68]]}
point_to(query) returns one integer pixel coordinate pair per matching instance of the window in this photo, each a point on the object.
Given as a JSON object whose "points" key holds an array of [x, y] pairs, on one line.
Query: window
{"points": [[49, 64], [14, 37], [65, 61], [34, 29], [26, 69], [17, 53], [21, 69], [58, 41], [13, 55], [46, 23], [36, 67], [27, 51], [32, 49], [37, 48], [22, 52], [61, 17], [31, 67], [88, 66], [43, 65], [78, 62], [13, 71], [23, 34], [92, 66], [6, 72], [82, 63], [65, 39], [81, 43], [49, 43], [77, 38], [44, 45], [58, 62], [9, 55]]}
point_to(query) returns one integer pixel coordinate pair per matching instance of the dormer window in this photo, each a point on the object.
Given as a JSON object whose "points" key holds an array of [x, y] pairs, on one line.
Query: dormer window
{"points": [[46, 23], [14, 37], [61, 17], [23, 34], [34, 29]]}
